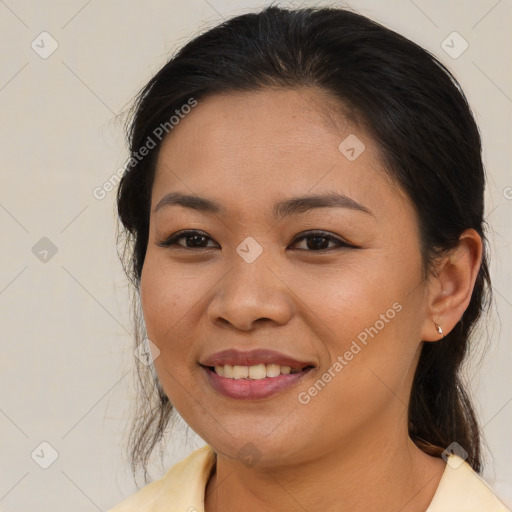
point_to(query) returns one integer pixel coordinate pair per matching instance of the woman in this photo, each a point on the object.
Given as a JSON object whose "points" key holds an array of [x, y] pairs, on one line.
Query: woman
{"points": [[304, 219]]}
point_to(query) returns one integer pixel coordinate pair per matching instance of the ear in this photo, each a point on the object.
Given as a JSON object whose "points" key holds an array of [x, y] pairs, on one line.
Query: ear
{"points": [[451, 285]]}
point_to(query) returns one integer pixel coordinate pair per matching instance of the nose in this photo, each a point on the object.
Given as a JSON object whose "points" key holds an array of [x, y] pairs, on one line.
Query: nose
{"points": [[250, 294]]}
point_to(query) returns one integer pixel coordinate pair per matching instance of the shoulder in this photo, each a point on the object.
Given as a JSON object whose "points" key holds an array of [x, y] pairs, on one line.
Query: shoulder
{"points": [[181, 488], [462, 489]]}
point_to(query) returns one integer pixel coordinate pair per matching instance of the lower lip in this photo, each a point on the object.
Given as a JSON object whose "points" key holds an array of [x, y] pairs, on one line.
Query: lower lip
{"points": [[250, 389]]}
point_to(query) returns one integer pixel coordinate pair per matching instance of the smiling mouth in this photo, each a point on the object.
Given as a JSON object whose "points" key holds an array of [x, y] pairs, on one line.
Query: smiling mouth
{"points": [[255, 372]]}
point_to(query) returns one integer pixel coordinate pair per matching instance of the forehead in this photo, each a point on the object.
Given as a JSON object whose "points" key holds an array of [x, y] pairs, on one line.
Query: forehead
{"points": [[279, 143], [227, 121]]}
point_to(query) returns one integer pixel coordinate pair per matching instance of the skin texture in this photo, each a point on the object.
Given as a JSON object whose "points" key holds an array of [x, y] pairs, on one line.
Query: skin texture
{"points": [[348, 448]]}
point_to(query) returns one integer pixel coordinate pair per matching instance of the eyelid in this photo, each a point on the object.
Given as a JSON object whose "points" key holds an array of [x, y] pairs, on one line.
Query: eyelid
{"points": [[324, 234], [171, 239]]}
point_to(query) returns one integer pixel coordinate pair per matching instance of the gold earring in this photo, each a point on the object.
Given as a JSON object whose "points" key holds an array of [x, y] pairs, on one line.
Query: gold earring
{"points": [[439, 330]]}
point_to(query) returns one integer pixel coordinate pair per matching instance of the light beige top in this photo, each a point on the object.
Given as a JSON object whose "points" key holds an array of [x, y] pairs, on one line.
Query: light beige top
{"points": [[182, 489]]}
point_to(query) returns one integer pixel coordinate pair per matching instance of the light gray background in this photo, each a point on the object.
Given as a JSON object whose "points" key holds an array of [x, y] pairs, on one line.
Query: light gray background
{"points": [[67, 355]]}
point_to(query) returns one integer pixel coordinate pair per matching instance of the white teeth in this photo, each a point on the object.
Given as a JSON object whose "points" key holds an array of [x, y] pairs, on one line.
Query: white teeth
{"points": [[273, 370], [228, 370], [240, 372], [255, 372]]}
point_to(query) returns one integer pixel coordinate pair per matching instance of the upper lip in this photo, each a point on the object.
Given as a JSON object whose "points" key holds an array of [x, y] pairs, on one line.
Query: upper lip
{"points": [[236, 357]]}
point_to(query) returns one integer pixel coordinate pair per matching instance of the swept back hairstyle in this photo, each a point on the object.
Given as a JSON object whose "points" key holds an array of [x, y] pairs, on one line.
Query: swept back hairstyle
{"points": [[413, 108]]}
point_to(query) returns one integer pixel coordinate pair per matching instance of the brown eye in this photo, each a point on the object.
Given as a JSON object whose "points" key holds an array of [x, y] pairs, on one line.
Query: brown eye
{"points": [[193, 240], [319, 241]]}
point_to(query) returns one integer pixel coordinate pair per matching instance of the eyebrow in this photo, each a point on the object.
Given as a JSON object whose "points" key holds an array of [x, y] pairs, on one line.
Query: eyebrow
{"points": [[294, 205]]}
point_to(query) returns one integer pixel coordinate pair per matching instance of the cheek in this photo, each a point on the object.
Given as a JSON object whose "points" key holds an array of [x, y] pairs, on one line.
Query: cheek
{"points": [[351, 296], [367, 315], [165, 302], [172, 301], [166, 295]]}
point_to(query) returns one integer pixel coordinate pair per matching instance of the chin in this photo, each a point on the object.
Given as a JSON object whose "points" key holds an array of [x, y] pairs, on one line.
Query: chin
{"points": [[254, 448]]}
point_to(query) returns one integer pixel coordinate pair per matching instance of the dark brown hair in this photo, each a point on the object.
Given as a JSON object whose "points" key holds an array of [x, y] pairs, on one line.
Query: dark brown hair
{"points": [[413, 108]]}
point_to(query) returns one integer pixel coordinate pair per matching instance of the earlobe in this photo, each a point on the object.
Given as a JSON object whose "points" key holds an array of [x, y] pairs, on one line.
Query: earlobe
{"points": [[439, 330], [451, 287]]}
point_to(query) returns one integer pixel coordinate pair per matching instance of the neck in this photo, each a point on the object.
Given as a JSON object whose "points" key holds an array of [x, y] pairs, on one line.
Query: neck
{"points": [[375, 476]]}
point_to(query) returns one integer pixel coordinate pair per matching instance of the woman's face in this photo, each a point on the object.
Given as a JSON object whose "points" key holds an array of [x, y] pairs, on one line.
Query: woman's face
{"points": [[345, 308]]}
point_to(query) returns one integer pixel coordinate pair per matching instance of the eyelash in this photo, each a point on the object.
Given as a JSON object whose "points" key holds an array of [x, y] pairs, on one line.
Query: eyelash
{"points": [[171, 240]]}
